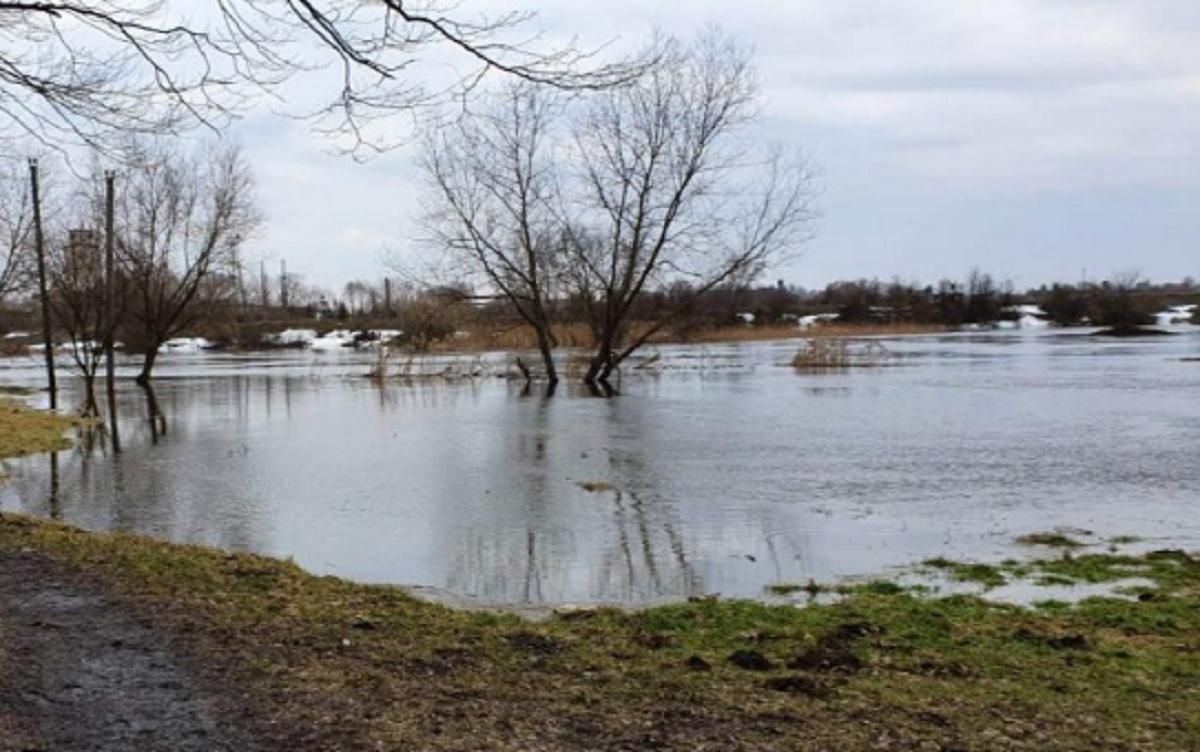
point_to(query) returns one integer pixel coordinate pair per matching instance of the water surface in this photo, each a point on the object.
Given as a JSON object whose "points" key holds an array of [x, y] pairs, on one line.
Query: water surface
{"points": [[728, 470]]}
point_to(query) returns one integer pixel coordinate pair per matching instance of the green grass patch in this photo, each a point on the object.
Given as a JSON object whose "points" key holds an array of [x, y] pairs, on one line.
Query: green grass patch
{"points": [[1124, 540], [1053, 540], [987, 575]]}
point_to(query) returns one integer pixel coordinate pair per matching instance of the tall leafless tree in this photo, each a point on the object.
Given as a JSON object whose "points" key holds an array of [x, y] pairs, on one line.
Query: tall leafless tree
{"points": [[181, 220], [673, 188], [494, 204], [94, 71], [75, 268], [636, 187]]}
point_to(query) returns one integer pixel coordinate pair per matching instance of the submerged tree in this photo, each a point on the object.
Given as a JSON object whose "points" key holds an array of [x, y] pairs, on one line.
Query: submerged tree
{"points": [[494, 206], [77, 298], [94, 71], [181, 220], [673, 189], [641, 186]]}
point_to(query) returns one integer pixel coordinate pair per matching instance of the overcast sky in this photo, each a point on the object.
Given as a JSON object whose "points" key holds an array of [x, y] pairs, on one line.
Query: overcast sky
{"points": [[1036, 139]]}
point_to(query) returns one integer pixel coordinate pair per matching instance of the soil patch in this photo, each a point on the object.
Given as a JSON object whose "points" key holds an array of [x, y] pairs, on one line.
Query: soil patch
{"points": [[79, 672]]}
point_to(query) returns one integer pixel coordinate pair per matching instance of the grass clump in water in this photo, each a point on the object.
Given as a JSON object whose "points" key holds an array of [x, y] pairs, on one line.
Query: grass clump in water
{"points": [[812, 588], [987, 575], [1051, 539], [835, 353], [596, 486], [1124, 540]]}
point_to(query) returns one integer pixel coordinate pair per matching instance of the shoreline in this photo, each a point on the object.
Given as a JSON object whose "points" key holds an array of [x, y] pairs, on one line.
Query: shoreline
{"points": [[370, 665]]}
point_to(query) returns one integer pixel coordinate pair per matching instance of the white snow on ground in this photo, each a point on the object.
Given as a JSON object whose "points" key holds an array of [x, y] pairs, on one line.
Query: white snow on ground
{"points": [[335, 340], [806, 322], [18, 335], [1028, 317], [188, 345], [1180, 314], [293, 337]]}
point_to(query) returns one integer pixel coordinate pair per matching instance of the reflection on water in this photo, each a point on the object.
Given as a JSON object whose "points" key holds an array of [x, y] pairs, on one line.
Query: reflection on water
{"points": [[723, 472]]}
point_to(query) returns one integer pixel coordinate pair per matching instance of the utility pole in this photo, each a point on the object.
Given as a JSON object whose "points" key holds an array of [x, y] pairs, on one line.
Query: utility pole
{"points": [[110, 311], [40, 249], [283, 286], [387, 295]]}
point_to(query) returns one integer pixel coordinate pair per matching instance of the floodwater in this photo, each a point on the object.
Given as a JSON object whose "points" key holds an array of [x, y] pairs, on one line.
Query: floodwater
{"points": [[723, 471]]}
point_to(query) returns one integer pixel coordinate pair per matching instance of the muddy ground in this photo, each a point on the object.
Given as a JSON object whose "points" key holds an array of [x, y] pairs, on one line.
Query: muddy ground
{"points": [[78, 671]]}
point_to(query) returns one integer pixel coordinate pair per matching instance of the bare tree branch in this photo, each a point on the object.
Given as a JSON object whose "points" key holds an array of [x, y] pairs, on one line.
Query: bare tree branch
{"points": [[92, 72]]}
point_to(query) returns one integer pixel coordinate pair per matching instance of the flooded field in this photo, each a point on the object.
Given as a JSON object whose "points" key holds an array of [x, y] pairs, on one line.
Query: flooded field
{"points": [[723, 470]]}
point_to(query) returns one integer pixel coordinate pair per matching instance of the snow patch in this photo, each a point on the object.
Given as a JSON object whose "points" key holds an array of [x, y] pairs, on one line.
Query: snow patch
{"points": [[807, 322], [333, 341], [1180, 314], [186, 345], [292, 337]]}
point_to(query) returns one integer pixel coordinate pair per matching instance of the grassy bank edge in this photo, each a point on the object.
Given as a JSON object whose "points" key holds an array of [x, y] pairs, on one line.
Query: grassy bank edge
{"points": [[370, 665]]}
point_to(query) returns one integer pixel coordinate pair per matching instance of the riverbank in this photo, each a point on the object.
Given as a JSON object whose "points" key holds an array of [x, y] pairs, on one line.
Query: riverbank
{"points": [[329, 664]]}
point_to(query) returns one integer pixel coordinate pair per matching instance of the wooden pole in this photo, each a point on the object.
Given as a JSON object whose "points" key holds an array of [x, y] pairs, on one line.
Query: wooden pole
{"points": [[110, 311], [43, 286]]}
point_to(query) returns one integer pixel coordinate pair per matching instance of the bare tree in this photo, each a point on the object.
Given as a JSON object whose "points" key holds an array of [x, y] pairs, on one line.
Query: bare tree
{"points": [[494, 205], [181, 221], [655, 183], [673, 189], [77, 298], [93, 71], [16, 228]]}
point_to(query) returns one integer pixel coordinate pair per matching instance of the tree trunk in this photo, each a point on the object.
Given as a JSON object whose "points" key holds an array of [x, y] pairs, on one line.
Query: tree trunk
{"points": [[148, 360], [158, 422], [90, 407], [545, 347], [600, 366]]}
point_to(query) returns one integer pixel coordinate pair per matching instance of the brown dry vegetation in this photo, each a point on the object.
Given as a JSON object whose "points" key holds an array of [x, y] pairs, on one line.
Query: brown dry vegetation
{"points": [[578, 335], [756, 333]]}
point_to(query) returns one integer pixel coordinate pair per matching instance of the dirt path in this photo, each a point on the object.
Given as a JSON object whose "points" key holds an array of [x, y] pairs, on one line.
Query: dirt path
{"points": [[78, 671]]}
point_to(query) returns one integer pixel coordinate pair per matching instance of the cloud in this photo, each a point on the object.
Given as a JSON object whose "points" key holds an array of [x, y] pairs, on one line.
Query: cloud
{"points": [[1037, 135]]}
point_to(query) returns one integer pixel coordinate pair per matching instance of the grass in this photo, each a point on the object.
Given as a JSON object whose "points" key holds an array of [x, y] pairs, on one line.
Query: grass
{"points": [[1124, 540], [361, 667], [834, 353], [1051, 539], [773, 332], [988, 575], [595, 486], [578, 335], [24, 430]]}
